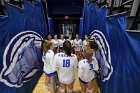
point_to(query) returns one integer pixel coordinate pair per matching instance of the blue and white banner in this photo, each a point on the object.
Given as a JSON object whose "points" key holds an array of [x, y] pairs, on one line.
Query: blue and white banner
{"points": [[118, 56], [21, 32]]}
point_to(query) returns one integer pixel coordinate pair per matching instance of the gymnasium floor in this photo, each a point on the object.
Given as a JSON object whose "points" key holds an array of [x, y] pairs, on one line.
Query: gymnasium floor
{"points": [[40, 87]]}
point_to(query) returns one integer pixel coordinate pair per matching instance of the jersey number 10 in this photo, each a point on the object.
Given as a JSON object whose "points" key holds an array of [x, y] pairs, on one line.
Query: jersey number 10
{"points": [[66, 63]]}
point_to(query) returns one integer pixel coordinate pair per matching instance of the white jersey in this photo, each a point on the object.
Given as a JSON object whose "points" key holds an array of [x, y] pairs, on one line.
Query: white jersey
{"points": [[86, 70], [85, 43], [61, 42], [77, 44], [71, 41], [56, 42], [48, 62], [65, 66]]}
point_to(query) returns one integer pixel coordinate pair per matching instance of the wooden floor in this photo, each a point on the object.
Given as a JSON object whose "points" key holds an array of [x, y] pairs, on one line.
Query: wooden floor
{"points": [[40, 87]]}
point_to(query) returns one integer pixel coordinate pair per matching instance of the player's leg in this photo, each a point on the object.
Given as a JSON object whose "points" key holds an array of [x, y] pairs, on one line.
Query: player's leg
{"points": [[83, 86], [62, 87], [52, 84], [70, 87], [90, 86], [47, 83]]}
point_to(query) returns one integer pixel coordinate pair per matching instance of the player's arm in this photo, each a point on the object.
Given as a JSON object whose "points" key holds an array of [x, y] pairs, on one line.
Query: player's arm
{"points": [[81, 43], [51, 58], [74, 42], [76, 63], [80, 69], [43, 58], [54, 65], [47, 58], [58, 42]]}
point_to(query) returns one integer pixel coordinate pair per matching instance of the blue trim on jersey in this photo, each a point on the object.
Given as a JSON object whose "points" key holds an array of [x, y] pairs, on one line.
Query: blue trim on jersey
{"points": [[51, 74], [83, 81]]}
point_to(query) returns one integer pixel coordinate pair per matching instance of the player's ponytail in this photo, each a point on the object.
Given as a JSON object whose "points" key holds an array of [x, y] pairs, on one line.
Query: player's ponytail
{"points": [[46, 46], [67, 47]]}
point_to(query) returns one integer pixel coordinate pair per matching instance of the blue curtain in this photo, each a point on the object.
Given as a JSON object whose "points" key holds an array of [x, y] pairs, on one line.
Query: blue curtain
{"points": [[21, 48], [51, 28], [121, 47], [90, 16], [93, 16], [29, 15], [100, 18], [125, 60], [87, 18], [81, 32], [40, 20]]}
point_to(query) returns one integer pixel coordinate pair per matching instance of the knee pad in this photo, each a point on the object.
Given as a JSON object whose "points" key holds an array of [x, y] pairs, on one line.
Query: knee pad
{"points": [[90, 91], [62, 90], [70, 90]]}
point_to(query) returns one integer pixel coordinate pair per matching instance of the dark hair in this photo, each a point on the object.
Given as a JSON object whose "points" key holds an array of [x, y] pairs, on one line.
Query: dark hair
{"points": [[93, 45], [67, 47]]}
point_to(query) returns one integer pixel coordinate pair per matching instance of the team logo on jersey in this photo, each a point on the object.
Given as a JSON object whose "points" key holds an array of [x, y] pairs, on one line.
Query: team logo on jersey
{"points": [[21, 59], [102, 55]]}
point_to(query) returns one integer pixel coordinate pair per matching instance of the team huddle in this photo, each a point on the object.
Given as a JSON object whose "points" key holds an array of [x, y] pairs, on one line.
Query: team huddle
{"points": [[63, 57]]}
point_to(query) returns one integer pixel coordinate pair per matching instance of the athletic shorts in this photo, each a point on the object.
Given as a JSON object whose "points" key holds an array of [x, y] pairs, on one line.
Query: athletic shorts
{"points": [[51, 74], [61, 48], [56, 48], [84, 81]]}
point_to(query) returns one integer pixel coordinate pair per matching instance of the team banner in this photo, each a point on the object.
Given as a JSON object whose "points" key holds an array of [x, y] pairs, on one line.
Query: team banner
{"points": [[21, 32], [118, 56]]}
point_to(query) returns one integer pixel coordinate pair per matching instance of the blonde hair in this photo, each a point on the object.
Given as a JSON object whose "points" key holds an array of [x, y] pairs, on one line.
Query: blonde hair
{"points": [[90, 51], [46, 45]]}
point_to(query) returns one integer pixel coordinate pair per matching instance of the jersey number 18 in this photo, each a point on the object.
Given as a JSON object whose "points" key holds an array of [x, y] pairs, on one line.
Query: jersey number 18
{"points": [[66, 63]]}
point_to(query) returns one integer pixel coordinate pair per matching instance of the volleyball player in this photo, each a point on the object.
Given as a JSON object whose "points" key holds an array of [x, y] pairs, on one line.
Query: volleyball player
{"points": [[49, 38], [85, 42], [77, 46], [56, 43], [61, 41], [71, 41], [86, 68], [48, 56], [65, 63]]}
